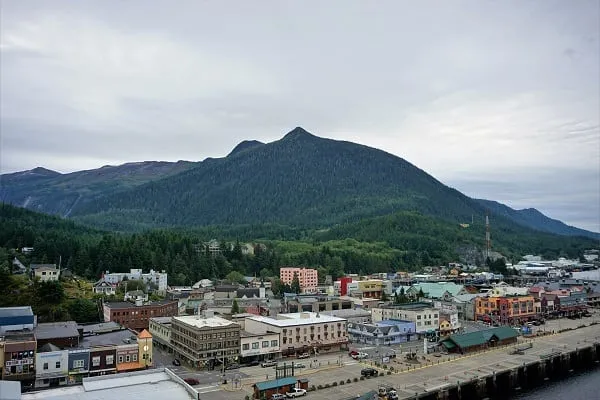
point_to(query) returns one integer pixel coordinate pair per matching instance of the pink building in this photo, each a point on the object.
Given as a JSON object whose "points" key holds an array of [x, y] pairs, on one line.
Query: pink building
{"points": [[308, 278]]}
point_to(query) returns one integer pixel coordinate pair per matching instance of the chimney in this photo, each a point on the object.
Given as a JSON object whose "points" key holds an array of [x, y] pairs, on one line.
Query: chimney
{"points": [[139, 302]]}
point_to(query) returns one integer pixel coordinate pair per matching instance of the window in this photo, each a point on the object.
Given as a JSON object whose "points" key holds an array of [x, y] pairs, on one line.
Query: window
{"points": [[255, 345], [110, 360], [134, 357], [58, 364], [78, 364], [127, 358], [273, 343], [120, 359], [45, 365], [265, 344], [96, 361]]}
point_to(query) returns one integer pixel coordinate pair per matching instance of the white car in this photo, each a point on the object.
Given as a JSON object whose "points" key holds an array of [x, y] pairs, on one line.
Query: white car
{"points": [[296, 392]]}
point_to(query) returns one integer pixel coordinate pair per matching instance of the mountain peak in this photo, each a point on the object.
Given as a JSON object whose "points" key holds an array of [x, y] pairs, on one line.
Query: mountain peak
{"points": [[43, 171], [298, 132], [245, 145]]}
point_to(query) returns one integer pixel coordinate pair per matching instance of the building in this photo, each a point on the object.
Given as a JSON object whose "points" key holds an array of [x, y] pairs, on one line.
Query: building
{"points": [[159, 279], [52, 366], [439, 290], [358, 315], [103, 360], [78, 365], [340, 287], [266, 389], [18, 353], [480, 340], [135, 295], [259, 346], [16, 319], [61, 334], [137, 316], [449, 322], [425, 317], [202, 340], [366, 289], [47, 274], [505, 310], [294, 303], [160, 329], [104, 287], [303, 332], [505, 290], [308, 278], [386, 332], [151, 384]]}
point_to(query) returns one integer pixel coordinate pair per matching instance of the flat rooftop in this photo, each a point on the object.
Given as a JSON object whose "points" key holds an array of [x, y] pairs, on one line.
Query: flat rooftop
{"points": [[125, 304], [161, 320], [294, 319], [147, 385], [198, 321], [15, 311], [110, 338], [53, 330]]}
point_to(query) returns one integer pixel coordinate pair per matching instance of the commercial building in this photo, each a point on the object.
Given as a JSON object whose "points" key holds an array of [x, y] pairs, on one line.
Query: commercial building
{"points": [[479, 340], [308, 278], [505, 310], [160, 329], [52, 366], [358, 315], [303, 332], [386, 332], [200, 340], [137, 316], [61, 334], [294, 303], [366, 289], [18, 352], [79, 365], [425, 317], [159, 279], [259, 346], [16, 319]]}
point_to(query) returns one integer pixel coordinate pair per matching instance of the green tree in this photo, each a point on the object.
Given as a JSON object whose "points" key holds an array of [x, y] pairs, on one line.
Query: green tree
{"points": [[295, 286], [235, 308], [384, 296], [84, 311], [421, 294], [235, 277]]}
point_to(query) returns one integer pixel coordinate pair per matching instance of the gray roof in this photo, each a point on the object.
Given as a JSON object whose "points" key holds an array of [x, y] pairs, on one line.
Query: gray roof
{"points": [[100, 328], [348, 313], [52, 330], [48, 347], [126, 304], [36, 266], [153, 384], [15, 311], [111, 338]]}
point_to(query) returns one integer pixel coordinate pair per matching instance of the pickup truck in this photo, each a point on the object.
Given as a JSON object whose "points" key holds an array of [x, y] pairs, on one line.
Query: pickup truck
{"points": [[296, 392], [303, 355]]}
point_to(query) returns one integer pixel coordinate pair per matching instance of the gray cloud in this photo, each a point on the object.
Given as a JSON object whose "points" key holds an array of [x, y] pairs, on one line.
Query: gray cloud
{"points": [[482, 95]]}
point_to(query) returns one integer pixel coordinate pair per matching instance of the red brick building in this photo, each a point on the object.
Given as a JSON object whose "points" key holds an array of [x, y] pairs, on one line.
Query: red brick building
{"points": [[137, 317]]}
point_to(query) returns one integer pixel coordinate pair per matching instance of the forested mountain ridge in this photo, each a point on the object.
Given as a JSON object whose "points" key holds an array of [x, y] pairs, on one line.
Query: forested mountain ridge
{"points": [[51, 192]]}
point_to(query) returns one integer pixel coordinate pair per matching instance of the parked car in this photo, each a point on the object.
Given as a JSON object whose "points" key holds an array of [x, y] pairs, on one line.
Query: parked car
{"points": [[360, 356], [176, 362], [254, 363], [353, 353], [233, 366], [192, 381], [368, 372], [303, 355], [267, 364], [296, 392], [299, 365], [277, 396]]}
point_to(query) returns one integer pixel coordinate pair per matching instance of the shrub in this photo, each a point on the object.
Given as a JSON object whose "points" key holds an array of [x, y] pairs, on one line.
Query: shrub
{"points": [[327, 385], [362, 378], [391, 368], [247, 397], [320, 387], [381, 374], [348, 380], [389, 372], [312, 388], [342, 382], [355, 379], [334, 384]]}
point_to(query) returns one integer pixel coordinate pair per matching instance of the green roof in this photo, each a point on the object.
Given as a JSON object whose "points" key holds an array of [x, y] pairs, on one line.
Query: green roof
{"points": [[276, 383], [481, 337], [448, 344], [436, 290]]}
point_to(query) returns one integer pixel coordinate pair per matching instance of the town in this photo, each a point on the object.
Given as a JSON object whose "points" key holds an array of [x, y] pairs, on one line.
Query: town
{"points": [[237, 339]]}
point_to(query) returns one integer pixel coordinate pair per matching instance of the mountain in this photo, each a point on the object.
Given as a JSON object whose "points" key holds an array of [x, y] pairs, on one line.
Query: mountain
{"points": [[51, 192], [532, 218], [245, 145]]}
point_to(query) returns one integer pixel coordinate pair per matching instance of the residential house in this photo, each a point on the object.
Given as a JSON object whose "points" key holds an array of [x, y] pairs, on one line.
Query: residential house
{"points": [[105, 288], [135, 295], [439, 290], [18, 268], [385, 332], [52, 366], [47, 274]]}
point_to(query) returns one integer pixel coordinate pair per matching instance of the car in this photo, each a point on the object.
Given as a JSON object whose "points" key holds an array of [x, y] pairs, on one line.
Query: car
{"points": [[176, 362], [360, 356], [277, 396], [232, 366], [192, 381], [254, 363], [353, 353], [267, 364], [296, 392], [368, 372], [299, 365], [303, 355]]}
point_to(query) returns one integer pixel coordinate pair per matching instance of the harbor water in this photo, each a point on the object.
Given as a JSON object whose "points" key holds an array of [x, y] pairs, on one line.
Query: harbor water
{"points": [[583, 386]]}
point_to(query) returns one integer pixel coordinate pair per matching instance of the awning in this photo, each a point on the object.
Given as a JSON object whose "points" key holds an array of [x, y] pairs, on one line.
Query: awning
{"points": [[448, 344]]}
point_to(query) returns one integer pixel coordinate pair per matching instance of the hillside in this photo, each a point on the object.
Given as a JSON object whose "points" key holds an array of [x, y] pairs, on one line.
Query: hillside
{"points": [[532, 218], [51, 192], [300, 180]]}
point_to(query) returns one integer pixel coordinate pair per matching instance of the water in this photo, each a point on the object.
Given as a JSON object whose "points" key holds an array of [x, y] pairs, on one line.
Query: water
{"points": [[583, 386]]}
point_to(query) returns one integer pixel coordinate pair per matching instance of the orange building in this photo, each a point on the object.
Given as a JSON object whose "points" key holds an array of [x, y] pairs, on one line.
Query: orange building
{"points": [[505, 310]]}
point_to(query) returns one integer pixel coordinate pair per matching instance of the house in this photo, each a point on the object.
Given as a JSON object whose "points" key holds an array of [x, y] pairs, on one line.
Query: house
{"points": [[52, 366], [135, 295], [47, 274], [104, 287], [385, 332], [474, 341], [18, 268]]}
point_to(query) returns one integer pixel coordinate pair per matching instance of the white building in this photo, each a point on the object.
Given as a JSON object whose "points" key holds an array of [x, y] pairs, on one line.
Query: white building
{"points": [[425, 317], [259, 346], [303, 332], [157, 278], [47, 274], [52, 367]]}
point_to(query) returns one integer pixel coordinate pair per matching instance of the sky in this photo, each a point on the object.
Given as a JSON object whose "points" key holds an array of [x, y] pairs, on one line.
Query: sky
{"points": [[499, 99]]}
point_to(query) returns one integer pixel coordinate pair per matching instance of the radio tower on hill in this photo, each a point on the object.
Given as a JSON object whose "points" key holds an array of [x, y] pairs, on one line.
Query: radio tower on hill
{"points": [[488, 240]]}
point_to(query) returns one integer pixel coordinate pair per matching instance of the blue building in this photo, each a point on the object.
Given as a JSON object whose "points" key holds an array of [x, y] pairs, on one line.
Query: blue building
{"points": [[391, 331], [16, 319]]}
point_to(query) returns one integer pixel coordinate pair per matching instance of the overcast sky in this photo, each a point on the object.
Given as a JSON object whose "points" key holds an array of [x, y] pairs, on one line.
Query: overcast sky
{"points": [[500, 99]]}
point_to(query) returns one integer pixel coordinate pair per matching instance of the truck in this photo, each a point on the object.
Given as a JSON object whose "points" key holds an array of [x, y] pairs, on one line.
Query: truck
{"points": [[296, 392]]}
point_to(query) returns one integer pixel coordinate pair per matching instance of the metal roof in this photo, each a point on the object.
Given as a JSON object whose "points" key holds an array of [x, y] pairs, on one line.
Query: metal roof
{"points": [[481, 337], [276, 383], [53, 330], [15, 311]]}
